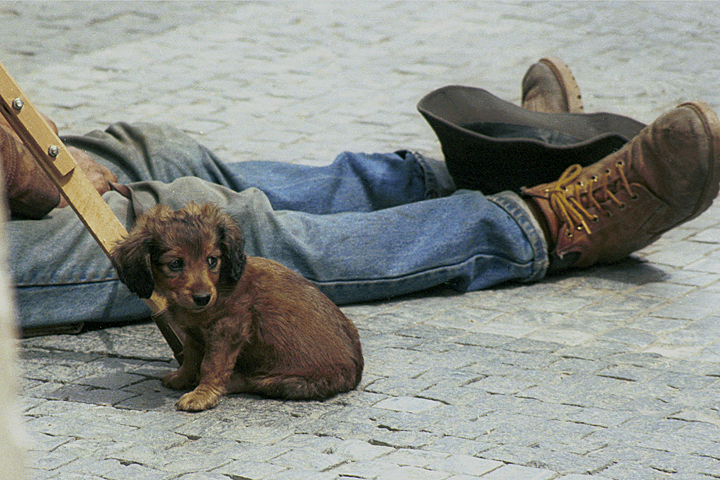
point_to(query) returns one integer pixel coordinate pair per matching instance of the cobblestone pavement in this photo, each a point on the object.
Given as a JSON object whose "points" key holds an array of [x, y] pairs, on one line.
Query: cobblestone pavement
{"points": [[610, 372]]}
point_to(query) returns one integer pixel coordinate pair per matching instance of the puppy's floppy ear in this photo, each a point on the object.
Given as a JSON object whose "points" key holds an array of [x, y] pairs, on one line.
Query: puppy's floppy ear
{"points": [[232, 245], [131, 258]]}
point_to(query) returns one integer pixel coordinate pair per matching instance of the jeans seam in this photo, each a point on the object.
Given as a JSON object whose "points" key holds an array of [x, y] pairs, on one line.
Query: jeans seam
{"points": [[521, 213], [433, 189]]}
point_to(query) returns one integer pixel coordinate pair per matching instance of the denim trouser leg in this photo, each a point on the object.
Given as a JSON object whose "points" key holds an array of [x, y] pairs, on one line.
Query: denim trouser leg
{"points": [[353, 182], [346, 240]]}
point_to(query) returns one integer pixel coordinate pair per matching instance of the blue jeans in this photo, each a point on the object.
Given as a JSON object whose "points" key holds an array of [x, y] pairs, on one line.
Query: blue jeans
{"points": [[365, 227]]}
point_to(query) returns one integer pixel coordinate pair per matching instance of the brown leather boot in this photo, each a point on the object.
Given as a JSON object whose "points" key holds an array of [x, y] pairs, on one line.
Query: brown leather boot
{"points": [[665, 176], [549, 86], [31, 194]]}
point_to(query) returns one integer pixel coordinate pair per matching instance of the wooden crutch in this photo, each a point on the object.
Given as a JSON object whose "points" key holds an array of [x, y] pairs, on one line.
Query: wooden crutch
{"points": [[61, 167]]}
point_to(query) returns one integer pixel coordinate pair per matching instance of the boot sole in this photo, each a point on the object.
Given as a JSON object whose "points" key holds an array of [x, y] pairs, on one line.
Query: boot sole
{"points": [[567, 81], [711, 123]]}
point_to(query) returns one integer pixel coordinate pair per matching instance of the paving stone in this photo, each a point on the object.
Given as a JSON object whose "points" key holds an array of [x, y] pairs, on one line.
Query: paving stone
{"points": [[346, 430], [515, 471], [463, 477], [300, 474], [50, 460], [407, 404], [86, 394], [357, 450], [400, 439], [502, 385], [398, 386], [459, 464], [545, 460], [203, 476], [73, 476], [364, 468], [701, 429], [600, 417], [113, 381], [574, 476], [124, 472], [629, 373], [458, 446], [248, 469], [416, 458], [88, 449], [308, 459], [413, 472], [211, 427], [196, 456]]}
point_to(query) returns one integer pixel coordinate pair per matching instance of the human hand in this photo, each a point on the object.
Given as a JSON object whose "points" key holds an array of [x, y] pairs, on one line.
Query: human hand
{"points": [[99, 175]]}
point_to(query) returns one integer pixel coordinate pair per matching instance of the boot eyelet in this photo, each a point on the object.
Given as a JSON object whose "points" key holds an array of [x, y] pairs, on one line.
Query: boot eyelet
{"points": [[622, 207], [620, 163], [569, 234], [595, 219], [634, 197]]}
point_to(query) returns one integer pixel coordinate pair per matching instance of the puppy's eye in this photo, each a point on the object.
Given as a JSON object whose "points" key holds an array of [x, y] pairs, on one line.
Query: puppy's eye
{"points": [[176, 265], [212, 262]]}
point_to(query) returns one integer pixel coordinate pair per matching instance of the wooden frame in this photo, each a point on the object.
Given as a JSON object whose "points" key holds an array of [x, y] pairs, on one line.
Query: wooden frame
{"points": [[83, 198]]}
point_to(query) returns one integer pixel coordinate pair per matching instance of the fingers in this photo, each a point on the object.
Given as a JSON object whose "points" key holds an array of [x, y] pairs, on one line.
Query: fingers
{"points": [[99, 175]]}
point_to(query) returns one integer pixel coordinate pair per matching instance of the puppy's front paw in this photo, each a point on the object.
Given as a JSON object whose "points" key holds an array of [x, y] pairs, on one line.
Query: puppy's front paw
{"points": [[202, 398], [177, 380]]}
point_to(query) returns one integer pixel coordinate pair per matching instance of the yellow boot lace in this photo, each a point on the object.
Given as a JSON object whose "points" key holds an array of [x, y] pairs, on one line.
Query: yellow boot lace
{"points": [[567, 196]]}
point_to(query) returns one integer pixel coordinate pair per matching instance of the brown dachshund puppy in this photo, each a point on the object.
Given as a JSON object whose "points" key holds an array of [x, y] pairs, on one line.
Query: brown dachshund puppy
{"points": [[251, 324]]}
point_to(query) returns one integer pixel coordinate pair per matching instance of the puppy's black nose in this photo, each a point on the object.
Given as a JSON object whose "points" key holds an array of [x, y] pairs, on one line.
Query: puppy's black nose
{"points": [[202, 300]]}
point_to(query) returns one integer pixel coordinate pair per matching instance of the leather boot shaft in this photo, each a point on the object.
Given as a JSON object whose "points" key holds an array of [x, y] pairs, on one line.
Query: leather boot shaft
{"points": [[549, 86], [665, 176]]}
